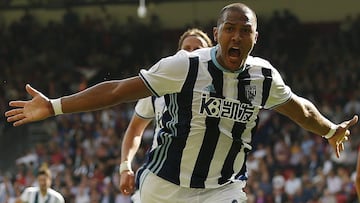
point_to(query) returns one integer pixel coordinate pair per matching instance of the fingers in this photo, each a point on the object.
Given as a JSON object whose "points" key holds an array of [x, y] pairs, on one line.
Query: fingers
{"points": [[345, 137], [351, 122], [33, 92], [17, 103], [127, 191], [339, 148], [127, 183], [21, 122], [355, 118], [13, 112], [18, 120], [16, 117]]}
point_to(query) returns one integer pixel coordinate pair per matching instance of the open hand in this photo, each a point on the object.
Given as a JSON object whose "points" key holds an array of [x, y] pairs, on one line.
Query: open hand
{"points": [[38, 108], [342, 134]]}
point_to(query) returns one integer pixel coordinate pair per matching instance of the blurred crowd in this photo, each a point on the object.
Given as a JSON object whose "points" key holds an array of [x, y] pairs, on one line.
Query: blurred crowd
{"points": [[319, 61]]}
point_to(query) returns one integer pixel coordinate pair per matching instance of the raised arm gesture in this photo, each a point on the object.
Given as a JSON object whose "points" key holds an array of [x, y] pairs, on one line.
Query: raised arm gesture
{"points": [[36, 109]]}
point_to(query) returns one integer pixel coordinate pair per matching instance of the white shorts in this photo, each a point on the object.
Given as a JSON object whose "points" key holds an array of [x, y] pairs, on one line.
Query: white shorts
{"points": [[135, 198], [154, 189]]}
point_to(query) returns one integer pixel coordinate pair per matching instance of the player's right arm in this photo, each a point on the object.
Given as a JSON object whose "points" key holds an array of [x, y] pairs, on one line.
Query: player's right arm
{"points": [[100, 96], [171, 71]]}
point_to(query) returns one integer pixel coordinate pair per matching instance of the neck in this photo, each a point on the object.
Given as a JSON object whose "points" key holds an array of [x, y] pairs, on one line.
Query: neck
{"points": [[43, 192]]}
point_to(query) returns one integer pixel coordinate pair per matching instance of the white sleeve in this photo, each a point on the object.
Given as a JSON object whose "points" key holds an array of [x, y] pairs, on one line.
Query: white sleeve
{"points": [[62, 200], [25, 195], [168, 75], [145, 108], [279, 91]]}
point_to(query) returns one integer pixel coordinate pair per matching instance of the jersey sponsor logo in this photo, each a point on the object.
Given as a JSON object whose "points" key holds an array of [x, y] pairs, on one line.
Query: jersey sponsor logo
{"points": [[226, 108], [159, 115], [250, 92]]}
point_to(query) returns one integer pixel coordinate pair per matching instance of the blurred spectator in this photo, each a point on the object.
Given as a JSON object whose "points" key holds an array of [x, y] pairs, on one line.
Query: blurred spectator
{"points": [[84, 149]]}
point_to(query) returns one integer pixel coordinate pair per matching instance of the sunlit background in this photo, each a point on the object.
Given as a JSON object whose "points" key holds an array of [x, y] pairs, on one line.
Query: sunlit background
{"points": [[63, 46]]}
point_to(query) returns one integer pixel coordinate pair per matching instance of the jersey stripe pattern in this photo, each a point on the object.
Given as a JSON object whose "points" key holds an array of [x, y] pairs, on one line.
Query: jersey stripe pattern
{"points": [[211, 115], [32, 195], [152, 108]]}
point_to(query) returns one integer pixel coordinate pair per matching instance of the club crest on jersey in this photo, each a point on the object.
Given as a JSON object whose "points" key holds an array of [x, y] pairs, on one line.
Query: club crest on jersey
{"points": [[250, 92], [226, 108]]}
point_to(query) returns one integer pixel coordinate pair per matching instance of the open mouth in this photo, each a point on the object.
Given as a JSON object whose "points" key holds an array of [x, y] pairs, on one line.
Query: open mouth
{"points": [[234, 52]]}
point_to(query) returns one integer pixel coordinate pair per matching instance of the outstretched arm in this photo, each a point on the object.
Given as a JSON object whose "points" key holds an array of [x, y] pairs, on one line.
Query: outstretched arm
{"points": [[100, 96], [305, 114], [130, 145]]}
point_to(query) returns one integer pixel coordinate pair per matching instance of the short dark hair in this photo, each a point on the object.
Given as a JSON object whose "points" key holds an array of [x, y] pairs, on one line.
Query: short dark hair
{"points": [[235, 7], [44, 171]]}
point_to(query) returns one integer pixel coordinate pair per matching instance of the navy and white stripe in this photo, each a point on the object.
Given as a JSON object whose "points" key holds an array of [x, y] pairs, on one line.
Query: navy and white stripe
{"points": [[32, 195], [211, 115]]}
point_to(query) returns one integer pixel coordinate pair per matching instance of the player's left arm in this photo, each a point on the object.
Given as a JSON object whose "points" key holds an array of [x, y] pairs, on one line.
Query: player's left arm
{"points": [[305, 114]]}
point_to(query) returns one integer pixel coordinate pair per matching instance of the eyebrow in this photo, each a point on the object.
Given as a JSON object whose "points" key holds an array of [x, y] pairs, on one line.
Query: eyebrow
{"points": [[247, 24]]}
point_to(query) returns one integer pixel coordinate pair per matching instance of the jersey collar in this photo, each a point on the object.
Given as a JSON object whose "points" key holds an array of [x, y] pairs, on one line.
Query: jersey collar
{"points": [[217, 64]]}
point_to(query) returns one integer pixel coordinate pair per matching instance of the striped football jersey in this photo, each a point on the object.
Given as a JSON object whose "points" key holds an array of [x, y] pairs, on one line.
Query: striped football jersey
{"points": [[152, 108], [210, 117]]}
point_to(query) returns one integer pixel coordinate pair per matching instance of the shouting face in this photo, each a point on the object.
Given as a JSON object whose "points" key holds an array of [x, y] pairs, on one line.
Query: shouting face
{"points": [[236, 35]]}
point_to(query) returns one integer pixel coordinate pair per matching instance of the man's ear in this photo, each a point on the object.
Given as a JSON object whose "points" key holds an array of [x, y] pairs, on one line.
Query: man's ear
{"points": [[215, 33], [256, 36]]}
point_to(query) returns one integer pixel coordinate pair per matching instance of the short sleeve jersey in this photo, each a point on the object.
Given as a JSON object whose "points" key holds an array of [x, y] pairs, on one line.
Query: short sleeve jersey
{"points": [[211, 115], [32, 195], [152, 108]]}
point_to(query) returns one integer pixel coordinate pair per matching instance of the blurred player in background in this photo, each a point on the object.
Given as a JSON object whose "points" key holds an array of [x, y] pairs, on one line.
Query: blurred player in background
{"points": [[42, 193], [148, 109], [213, 97], [194, 39]]}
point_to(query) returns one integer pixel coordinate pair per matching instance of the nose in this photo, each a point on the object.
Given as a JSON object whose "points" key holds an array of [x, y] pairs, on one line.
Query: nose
{"points": [[236, 36]]}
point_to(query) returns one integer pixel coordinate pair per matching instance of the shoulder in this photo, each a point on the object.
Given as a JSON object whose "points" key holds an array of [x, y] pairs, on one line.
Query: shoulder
{"points": [[31, 189], [259, 62], [56, 194], [204, 54]]}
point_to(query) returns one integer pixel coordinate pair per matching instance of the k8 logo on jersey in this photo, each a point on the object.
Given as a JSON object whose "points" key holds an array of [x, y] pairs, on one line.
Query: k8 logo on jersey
{"points": [[226, 108]]}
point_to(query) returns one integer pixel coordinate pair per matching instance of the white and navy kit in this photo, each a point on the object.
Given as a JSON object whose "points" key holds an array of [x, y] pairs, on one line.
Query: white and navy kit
{"points": [[149, 108], [211, 115], [32, 195], [152, 108]]}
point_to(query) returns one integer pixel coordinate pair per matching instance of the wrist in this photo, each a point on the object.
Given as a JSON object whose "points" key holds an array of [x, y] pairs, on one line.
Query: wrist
{"points": [[57, 107], [331, 132], [125, 166]]}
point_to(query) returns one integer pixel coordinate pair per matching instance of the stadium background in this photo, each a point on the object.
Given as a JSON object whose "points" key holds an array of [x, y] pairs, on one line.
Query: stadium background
{"points": [[61, 47]]}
